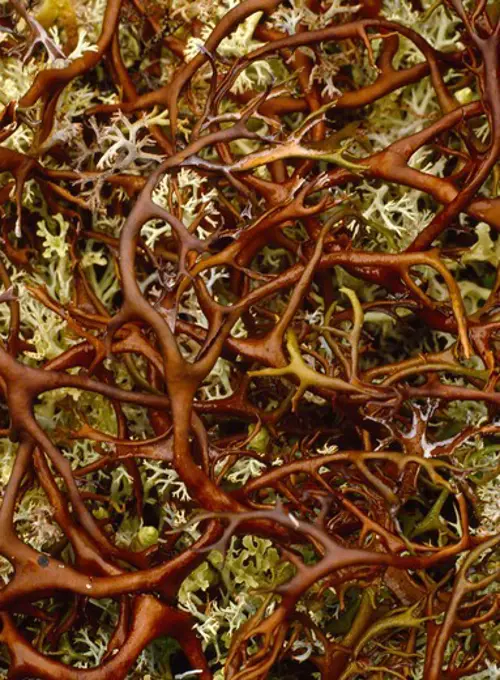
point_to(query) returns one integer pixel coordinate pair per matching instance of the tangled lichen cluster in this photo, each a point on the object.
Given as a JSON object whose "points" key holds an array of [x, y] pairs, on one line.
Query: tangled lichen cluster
{"points": [[249, 347]]}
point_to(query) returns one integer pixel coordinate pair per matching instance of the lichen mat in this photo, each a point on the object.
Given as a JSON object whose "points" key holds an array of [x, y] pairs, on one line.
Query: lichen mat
{"points": [[249, 320]]}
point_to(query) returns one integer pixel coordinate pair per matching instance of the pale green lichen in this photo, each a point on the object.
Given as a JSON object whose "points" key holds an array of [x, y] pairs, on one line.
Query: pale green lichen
{"points": [[250, 569]]}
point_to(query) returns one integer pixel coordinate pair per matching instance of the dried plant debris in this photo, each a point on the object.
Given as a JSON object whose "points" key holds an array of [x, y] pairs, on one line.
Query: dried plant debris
{"points": [[249, 355]]}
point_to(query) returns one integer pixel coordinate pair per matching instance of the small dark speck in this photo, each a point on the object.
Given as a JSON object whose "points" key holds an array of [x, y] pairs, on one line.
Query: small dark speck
{"points": [[43, 561]]}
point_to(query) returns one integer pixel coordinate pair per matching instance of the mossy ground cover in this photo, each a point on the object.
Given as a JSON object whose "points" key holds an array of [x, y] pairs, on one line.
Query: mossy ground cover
{"points": [[249, 317]]}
